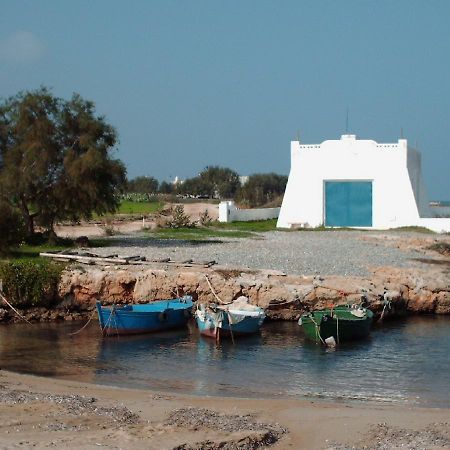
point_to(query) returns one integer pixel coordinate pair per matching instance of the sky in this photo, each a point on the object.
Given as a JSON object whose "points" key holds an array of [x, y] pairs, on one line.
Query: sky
{"points": [[189, 84]]}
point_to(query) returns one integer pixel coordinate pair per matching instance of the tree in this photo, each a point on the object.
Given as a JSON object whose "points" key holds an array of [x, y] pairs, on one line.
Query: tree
{"points": [[166, 188], [12, 229], [213, 182], [143, 185], [261, 188], [55, 159]]}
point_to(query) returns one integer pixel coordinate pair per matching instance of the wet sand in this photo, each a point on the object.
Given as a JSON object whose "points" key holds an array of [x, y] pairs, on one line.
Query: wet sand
{"points": [[40, 412]]}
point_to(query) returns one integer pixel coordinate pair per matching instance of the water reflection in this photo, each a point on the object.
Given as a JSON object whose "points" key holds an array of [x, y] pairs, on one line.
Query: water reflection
{"points": [[401, 361]]}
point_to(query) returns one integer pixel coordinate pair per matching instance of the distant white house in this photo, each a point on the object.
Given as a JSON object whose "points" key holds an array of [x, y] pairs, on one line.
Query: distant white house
{"points": [[177, 181], [243, 179], [356, 183]]}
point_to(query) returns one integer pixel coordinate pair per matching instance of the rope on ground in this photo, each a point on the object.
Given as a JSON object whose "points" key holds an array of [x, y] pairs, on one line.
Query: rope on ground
{"points": [[85, 325], [14, 309], [212, 290]]}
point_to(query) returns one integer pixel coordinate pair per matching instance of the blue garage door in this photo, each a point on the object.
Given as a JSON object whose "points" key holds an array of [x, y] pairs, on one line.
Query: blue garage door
{"points": [[348, 203]]}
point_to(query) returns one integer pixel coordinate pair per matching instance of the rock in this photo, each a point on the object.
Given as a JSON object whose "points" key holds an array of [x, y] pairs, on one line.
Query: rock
{"points": [[283, 297]]}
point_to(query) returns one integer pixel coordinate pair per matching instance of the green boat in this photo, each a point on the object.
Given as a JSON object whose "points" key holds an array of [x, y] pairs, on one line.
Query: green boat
{"points": [[341, 323]]}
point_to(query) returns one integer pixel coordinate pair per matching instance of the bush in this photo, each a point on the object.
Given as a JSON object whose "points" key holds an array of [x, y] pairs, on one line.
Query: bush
{"points": [[30, 283], [12, 228], [205, 219], [179, 218]]}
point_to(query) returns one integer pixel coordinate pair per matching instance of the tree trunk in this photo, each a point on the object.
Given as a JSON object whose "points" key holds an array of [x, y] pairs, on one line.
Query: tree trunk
{"points": [[52, 237], [28, 217]]}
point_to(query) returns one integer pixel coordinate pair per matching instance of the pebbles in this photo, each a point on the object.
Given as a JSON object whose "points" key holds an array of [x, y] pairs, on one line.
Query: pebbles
{"points": [[300, 252], [257, 434], [74, 405], [384, 437]]}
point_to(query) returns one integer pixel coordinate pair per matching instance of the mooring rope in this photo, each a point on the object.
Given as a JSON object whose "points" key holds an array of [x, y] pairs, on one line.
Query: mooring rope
{"points": [[14, 309], [109, 320], [212, 290], [85, 325], [231, 329], [317, 330], [337, 328]]}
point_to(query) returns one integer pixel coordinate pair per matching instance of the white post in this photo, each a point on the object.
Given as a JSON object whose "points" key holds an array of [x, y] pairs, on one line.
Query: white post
{"points": [[224, 212]]}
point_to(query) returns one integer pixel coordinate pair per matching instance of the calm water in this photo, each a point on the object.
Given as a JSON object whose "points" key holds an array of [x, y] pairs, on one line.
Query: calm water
{"points": [[406, 362]]}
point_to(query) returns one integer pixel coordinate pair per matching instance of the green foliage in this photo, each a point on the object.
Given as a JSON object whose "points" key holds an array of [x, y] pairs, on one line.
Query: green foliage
{"points": [[30, 283], [142, 185], [166, 188], [56, 160], [441, 247], [139, 198], [212, 182], [179, 218], [261, 188], [12, 228], [205, 219]]}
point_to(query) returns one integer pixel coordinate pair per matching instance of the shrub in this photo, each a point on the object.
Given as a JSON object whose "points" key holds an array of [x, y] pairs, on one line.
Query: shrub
{"points": [[205, 219], [179, 218], [30, 283]]}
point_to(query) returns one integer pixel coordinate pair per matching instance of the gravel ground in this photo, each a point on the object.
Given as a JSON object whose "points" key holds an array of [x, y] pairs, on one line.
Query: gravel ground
{"points": [[75, 405], [257, 434], [384, 437], [309, 253]]}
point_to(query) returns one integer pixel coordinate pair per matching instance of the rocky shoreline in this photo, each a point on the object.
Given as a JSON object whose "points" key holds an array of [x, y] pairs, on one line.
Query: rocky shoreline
{"points": [[389, 292]]}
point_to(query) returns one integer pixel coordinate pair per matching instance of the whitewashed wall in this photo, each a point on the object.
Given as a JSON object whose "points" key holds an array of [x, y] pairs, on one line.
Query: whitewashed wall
{"points": [[228, 212], [398, 194]]}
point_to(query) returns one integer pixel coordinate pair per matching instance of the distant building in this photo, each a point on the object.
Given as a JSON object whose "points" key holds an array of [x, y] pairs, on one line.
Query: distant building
{"points": [[356, 183], [177, 181], [243, 179]]}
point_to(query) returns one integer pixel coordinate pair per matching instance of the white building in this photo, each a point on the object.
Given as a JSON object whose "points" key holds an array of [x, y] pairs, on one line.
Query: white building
{"points": [[356, 183]]}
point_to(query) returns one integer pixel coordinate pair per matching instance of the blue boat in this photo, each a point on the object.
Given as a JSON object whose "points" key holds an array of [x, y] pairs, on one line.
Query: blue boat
{"points": [[144, 318], [236, 318]]}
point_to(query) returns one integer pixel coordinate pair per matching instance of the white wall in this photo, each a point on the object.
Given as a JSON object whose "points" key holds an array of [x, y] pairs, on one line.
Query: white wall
{"points": [[228, 212], [393, 169]]}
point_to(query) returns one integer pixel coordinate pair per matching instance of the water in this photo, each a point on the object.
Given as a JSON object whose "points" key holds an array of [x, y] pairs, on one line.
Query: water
{"points": [[402, 362]]}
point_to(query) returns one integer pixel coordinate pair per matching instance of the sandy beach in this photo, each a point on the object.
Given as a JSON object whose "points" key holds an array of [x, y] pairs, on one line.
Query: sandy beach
{"points": [[48, 413]]}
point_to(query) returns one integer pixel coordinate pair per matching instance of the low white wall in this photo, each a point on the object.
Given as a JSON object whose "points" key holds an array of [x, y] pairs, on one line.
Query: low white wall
{"points": [[440, 225], [228, 212]]}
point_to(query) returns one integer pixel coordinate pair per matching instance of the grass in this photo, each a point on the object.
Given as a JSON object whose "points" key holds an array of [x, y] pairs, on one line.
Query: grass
{"points": [[31, 252], [130, 207], [255, 226], [198, 234], [416, 229]]}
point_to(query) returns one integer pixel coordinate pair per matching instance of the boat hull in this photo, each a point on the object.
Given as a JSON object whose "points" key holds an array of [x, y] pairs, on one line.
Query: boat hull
{"points": [[339, 324], [146, 318], [248, 325]]}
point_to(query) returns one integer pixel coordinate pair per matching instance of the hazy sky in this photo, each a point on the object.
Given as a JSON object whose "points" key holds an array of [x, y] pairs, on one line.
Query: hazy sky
{"points": [[195, 83]]}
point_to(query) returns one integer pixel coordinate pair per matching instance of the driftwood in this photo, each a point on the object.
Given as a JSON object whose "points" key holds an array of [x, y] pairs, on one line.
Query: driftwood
{"points": [[92, 258]]}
